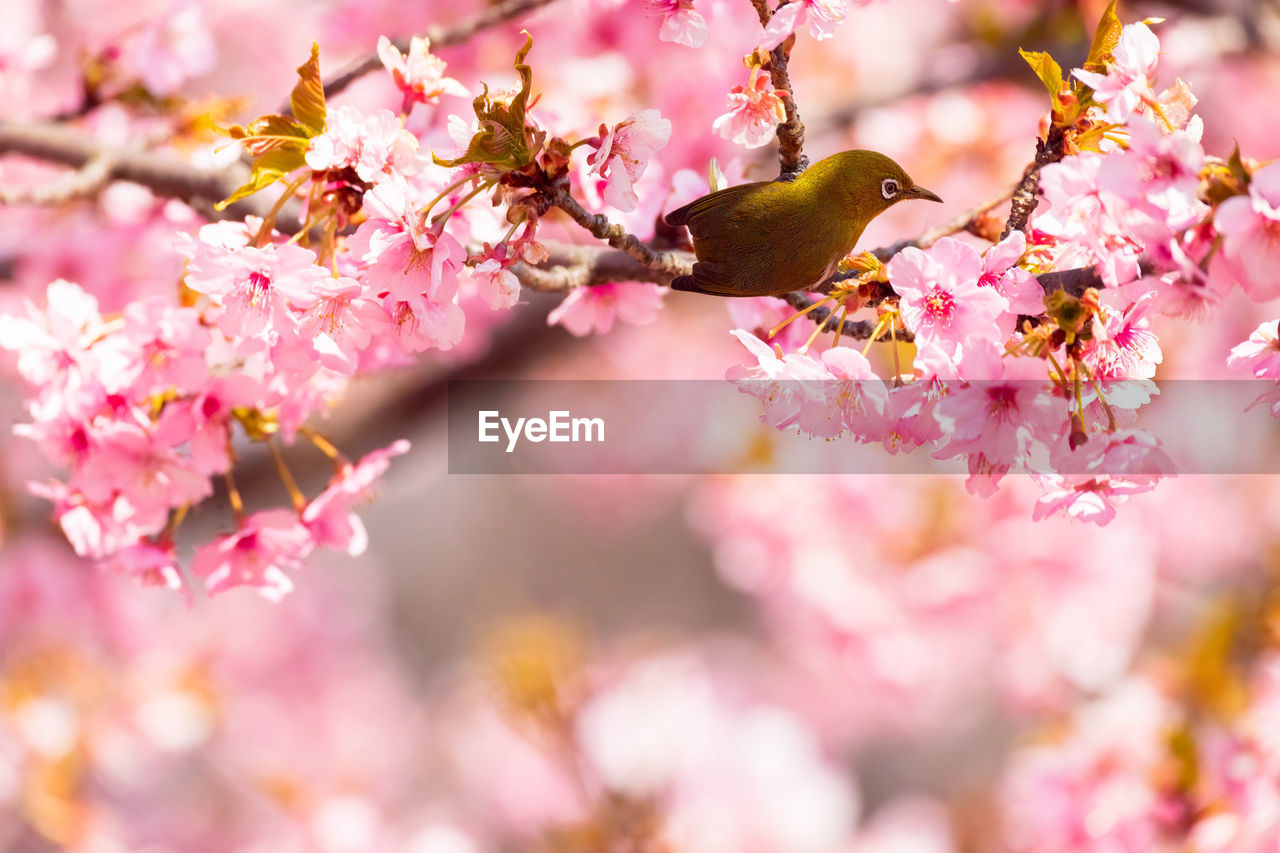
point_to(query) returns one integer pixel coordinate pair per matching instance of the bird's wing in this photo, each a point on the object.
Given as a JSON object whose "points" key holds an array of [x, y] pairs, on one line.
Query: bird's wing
{"points": [[715, 279], [688, 214]]}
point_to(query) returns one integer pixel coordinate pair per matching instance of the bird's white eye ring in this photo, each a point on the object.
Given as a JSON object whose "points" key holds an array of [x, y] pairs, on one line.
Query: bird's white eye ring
{"points": [[888, 188]]}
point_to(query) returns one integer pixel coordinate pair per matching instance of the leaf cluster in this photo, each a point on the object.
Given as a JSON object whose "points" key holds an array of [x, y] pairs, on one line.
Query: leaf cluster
{"points": [[1070, 98], [504, 140], [277, 142]]}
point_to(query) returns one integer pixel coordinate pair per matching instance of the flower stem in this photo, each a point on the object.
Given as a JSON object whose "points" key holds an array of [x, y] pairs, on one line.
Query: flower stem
{"points": [[286, 476]]}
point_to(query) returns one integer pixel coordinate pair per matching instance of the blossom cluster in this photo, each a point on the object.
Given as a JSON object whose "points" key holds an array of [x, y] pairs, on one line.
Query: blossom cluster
{"points": [[1010, 373]]}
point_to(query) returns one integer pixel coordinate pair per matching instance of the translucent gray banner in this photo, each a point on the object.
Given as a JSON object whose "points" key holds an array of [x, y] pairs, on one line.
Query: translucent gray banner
{"points": [[715, 427]]}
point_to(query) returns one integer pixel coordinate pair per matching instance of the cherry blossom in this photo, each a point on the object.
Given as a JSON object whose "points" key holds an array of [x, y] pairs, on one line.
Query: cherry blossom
{"points": [[681, 23], [257, 555], [623, 153], [823, 16], [376, 146], [420, 74], [942, 300], [1126, 85], [754, 112], [593, 309], [328, 517], [1250, 229]]}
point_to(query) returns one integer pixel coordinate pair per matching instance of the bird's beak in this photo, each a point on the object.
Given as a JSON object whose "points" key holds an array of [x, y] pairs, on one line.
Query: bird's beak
{"points": [[921, 192]]}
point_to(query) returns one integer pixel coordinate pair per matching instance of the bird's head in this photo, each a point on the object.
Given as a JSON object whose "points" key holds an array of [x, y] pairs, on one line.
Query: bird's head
{"points": [[868, 181]]}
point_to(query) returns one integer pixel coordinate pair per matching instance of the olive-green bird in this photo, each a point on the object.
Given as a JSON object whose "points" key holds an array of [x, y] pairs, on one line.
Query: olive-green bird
{"points": [[771, 237]]}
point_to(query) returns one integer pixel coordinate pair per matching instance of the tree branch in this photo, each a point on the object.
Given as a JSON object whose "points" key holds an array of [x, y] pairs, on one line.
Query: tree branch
{"points": [[164, 174], [791, 157], [1026, 196], [494, 15], [671, 264]]}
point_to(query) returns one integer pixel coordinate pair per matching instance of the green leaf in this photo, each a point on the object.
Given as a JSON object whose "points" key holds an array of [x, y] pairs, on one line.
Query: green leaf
{"points": [[503, 140], [307, 99], [1048, 70], [267, 169], [1105, 39], [279, 143]]}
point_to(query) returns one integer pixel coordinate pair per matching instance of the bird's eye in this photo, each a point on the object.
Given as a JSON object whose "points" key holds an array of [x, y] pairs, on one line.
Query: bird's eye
{"points": [[888, 188]]}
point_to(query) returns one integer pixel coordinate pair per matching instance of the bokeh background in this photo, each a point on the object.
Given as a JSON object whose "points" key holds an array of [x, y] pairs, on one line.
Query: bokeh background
{"points": [[605, 663]]}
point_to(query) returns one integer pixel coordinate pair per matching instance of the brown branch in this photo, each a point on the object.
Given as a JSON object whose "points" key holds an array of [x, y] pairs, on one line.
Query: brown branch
{"points": [[1026, 197], [791, 157], [671, 264], [494, 15], [82, 183], [164, 174]]}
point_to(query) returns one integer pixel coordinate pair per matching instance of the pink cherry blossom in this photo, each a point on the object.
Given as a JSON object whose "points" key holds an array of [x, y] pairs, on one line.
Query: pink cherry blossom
{"points": [[420, 74], [328, 516], [854, 398], [787, 384], [151, 564], [681, 23], [755, 110], [256, 555], [941, 299], [1019, 287], [1126, 85], [376, 146], [823, 16], [1124, 347], [412, 267], [623, 153], [998, 423], [256, 288], [1250, 229], [341, 323], [498, 286], [1092, 480], [588, 310], [1260, 354]]}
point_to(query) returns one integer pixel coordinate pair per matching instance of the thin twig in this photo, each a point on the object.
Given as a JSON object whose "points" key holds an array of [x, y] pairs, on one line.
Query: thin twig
{"points": [[967, 221], [857, 329], [494, 15]]}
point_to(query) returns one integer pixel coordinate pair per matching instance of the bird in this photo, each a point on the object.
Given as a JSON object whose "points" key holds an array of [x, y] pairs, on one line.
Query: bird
{"points": [[772, 237]]}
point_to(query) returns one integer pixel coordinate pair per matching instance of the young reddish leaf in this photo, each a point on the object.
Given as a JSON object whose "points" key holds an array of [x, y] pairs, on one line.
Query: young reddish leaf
{"points": [[307, 99], [1047, 69], [1105, 39]]}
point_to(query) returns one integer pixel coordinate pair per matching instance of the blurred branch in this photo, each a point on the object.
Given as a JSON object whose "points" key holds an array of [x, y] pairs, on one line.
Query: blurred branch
{"points": [[82, 183], [164, 174], [791, 157], [492, 16]]}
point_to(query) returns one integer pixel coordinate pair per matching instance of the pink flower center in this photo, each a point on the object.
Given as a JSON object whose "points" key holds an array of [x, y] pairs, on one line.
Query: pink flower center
{"points": [[256, 289], [939, 307]]}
